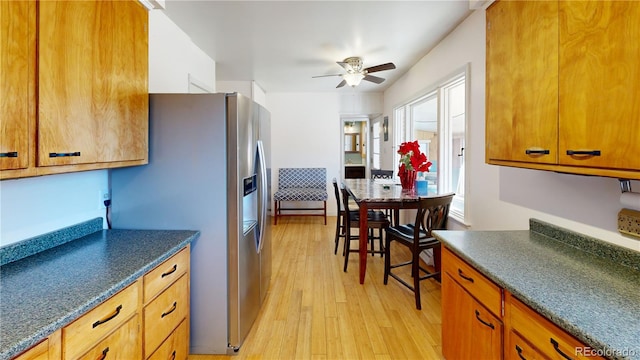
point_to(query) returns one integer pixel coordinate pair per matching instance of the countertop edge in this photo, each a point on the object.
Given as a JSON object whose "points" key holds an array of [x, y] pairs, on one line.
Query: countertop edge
{"points": [[49, 329]]}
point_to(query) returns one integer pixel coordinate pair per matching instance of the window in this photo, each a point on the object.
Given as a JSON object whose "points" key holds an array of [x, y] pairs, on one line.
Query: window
{"points": [[375, 160], [437, 119]]}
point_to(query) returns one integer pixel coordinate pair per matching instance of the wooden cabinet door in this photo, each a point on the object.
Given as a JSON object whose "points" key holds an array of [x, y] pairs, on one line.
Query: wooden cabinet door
{"points": [[600, 83], [469, 330], [522, 81], [176, 346], [93, 99], [17, 83]]}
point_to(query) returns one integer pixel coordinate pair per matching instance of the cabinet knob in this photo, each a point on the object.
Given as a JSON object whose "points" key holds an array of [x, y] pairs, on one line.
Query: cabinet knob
{"points": [[104, 353], [537, 152], [556, 347], [519, 350], [77, 153], [583, 152], [485, 323], [173, 269], [173, 308], [462, 275], [11, 154], [110, 317]]}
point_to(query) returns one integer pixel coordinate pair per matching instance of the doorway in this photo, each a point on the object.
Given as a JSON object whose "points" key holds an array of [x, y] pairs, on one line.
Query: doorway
{"points": [[355, 144]]}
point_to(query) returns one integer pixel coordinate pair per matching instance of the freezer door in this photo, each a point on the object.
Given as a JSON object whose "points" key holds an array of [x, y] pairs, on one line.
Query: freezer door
{"points": [[243, 220]]}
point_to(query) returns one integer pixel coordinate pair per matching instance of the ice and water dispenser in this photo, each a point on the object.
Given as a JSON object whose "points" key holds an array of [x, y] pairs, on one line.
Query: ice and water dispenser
{"points": [[249, 203]]}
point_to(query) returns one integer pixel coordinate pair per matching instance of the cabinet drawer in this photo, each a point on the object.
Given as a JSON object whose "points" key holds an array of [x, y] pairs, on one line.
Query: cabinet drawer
{"points": [[481, 288], [124, 343], [83, 333], [176, 346], [518, 349], [542, 334], [165, 313], [165, 274]]}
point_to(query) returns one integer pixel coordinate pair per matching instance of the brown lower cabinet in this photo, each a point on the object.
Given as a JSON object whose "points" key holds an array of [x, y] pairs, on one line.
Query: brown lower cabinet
{"points": [[149, 319], [480, 320], [469, 329]]}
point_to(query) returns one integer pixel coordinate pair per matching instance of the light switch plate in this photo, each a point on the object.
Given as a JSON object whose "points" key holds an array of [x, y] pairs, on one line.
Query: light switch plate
{"points": [[629, 222]]}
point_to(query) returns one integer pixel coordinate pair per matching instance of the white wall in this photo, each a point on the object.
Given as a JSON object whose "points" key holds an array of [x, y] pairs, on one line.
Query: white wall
{"points": [[305, 132], [241, 87], [34, 206], [250, 89], [173, 57], [500, 198]]}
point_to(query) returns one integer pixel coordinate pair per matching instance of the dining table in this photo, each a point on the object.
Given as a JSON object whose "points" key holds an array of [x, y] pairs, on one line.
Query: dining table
{"points": [[380, 194]]}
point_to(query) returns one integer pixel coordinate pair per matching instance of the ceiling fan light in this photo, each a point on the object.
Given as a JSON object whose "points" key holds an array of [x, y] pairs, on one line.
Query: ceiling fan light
{"points": [[353, 79]]}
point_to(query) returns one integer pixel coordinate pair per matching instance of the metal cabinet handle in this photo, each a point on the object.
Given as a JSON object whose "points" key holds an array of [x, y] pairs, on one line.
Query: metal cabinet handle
{"points": [[12, 154], [173, 269], [519, 350], [584, 152], [462, 275], [173, 355], [537, 152], [104, 354], [77, 153], [116, 313], [173, 308], [484, 322], [557, 349]]}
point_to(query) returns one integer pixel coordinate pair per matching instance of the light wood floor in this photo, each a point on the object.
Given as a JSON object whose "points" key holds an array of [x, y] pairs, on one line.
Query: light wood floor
{"points": [[314, 310]]}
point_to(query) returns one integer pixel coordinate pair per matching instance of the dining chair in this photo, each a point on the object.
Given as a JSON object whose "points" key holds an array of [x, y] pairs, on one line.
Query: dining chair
{"points": [[340, 219], [375, 220], [382, 174], [432, 214]]}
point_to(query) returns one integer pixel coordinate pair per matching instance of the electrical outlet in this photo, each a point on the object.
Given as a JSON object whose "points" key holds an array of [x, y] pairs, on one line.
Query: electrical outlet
{"points": [[629, 222], [102, 196]]}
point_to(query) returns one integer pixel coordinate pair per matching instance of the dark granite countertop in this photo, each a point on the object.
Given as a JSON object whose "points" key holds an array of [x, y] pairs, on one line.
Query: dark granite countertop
{"points": [[588, 287], [45, 291]]}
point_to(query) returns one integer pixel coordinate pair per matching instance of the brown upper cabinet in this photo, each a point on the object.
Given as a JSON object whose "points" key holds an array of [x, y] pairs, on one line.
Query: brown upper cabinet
{"points": [[17, 84], [91, 80], [563, 79]]}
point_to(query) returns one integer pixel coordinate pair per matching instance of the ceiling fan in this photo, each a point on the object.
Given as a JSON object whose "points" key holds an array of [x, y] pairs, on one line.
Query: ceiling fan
{"points": [[355, 73]]}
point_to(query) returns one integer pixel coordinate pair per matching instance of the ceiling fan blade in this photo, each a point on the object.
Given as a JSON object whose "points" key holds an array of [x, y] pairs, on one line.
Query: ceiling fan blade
{"points": [[342, 83], [381, 67], [319, 76], [375, 79], [345, 65]]}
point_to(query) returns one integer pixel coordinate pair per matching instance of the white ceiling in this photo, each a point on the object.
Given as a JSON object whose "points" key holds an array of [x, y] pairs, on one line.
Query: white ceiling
{"points": [[282, 44]]}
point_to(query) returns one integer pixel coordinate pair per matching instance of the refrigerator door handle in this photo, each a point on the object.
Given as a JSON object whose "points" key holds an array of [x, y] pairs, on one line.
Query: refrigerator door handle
{"points": [[263, 193]]}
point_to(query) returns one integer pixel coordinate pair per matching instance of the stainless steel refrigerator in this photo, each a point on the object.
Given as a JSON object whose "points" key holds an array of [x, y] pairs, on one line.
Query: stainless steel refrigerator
{"points": [[209, 170]]}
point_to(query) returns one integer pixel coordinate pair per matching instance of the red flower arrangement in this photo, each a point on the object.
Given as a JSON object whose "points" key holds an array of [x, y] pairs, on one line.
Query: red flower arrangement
{"points": [[411, 158]]}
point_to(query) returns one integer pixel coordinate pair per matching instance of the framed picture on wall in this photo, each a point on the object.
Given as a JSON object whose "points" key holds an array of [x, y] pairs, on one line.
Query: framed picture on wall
{"points": [[385, 128]]}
